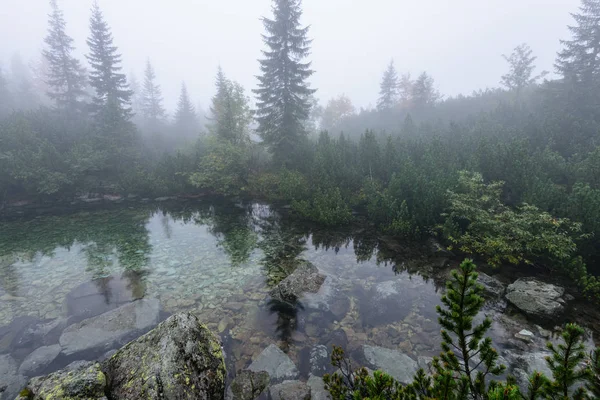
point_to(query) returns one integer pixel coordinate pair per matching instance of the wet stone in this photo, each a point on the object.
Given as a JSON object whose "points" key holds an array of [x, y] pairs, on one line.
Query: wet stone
{"points": [[11, 381], [37, 361], [276, 363], [290, 390], [248, 385], [398, 365]]}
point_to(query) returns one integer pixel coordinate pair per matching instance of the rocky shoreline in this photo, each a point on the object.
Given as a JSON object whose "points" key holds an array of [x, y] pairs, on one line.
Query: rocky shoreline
{"points": [[180, 357]]}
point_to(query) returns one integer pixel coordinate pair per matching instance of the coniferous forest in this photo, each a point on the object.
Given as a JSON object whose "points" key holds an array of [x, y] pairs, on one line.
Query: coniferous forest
{"points": [[505, 175]]}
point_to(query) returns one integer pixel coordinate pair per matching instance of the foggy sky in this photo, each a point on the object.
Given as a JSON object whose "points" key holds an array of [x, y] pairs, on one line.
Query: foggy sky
{"points": [[459, 42]]}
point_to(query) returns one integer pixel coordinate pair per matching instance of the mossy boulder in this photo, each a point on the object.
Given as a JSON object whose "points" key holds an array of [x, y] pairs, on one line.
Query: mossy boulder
{"points": [[179, 359], [80, 380]]}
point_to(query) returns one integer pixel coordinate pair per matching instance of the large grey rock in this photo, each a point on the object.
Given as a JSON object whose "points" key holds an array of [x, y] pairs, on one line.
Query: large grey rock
{"points": [[492, 287], [536, 298], [77, 381], [329, 298], [317, 388], [306, 278], [398, 365], [39, 359], [276, 363], [389, 302], [290, 390], [248, 385], [106, 330], [179, 359], [10, 380]]}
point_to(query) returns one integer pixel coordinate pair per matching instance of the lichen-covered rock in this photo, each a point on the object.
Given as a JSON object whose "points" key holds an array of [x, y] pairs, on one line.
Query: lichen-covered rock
{"points": [[536, 298], [290, 390], [80, 380], [276, 363], [248, 385], [104, 331], [179, 359], [306, 278]]}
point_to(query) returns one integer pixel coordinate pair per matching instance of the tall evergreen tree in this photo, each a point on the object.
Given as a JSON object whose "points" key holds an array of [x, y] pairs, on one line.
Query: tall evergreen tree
{"points": [[112, 95], [152, 100], [579, 61], [283, 93], [388, 93], [424, 93], [231, 114], [65, 75], [405, 88], [5, 96], [21, 82], [136, 98], [186, 120], [520, 74]]}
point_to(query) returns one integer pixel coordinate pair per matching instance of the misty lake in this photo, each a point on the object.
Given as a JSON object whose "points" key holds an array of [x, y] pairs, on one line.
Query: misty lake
{"points": [[219, 261]]}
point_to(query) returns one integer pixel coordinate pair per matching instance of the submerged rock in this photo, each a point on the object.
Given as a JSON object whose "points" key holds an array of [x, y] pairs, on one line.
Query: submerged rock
{"points": [[388, 302], [536, 298], [10, 380], [320, 363], [248, 385], [179, 359], [106, 330], [328, 298], [306, 278], [317, 388], [39, 359], [398, 365], [290, 390], [276, 363], [80, 380]]}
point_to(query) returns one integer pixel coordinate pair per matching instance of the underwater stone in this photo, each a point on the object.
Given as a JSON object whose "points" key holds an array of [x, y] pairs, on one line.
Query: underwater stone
{"points": [[290, 390], [248, 385], [398, 365], [10, 380], [276, 363], [39, 359], [105, 330]]}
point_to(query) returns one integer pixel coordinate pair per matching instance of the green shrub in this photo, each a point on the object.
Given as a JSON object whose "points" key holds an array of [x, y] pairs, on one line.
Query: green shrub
{"points": [[326, 207]]}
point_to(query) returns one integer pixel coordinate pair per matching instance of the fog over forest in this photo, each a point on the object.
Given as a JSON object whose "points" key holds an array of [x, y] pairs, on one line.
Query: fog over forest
{"points": [[459, 42], [282, 177]]}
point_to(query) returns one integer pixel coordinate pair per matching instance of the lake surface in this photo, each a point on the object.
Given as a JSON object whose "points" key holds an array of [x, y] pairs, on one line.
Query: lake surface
{"points": [[219, 261]]}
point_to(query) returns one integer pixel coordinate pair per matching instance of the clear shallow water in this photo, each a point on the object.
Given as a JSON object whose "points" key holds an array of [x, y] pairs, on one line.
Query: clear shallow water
{"points": [[219, 261]]}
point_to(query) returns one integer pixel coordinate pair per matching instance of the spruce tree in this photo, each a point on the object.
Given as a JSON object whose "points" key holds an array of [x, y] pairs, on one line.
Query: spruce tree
{"points": [[112, 100], [66, 76], [424, 93], [5, 96], [21, 82], [136, 98], [152, 100], [579, 61], [388, 93], [405, 89], [520, 74], [230, 109], [283, 94], [186, 120]]}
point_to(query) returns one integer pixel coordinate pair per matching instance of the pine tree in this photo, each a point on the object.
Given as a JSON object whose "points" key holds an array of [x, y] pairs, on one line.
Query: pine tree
{"points": [[521, 69], [152, 100], [186, 120], [388, 93], [231, 115], [567, 363], [136, 98], [424, 93], [112, 95], [283, 93], [23, 94], [66, 77], [579, 61], [466, 350], [5, 96], [405, 89]]}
